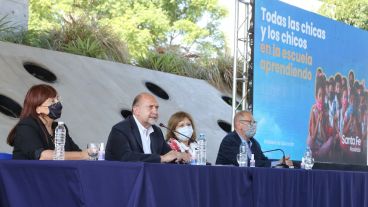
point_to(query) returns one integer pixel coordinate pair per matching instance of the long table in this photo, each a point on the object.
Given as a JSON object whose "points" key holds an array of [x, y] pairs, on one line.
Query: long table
{"points": [[108, 184]]}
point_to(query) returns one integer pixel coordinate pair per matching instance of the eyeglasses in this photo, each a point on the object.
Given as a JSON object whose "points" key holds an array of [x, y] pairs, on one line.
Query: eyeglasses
{"points": [[248, 122], [54, 101]]}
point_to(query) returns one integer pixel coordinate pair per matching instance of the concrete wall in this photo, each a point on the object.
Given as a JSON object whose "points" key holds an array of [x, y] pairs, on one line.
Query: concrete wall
{"points": [[16, 12], [95, 91]]}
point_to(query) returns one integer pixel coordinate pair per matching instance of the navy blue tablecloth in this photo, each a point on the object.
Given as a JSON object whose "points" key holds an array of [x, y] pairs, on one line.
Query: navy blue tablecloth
{"points": [[103, 183]]}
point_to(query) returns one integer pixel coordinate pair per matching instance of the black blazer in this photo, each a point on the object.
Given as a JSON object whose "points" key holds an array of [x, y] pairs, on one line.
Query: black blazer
{"points": [[125, 144], [229, 148], [32, 137]]}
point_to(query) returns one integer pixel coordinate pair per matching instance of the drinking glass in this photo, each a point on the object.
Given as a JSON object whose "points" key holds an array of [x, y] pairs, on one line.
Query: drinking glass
{"points": [[242, 159], [92, 150]]}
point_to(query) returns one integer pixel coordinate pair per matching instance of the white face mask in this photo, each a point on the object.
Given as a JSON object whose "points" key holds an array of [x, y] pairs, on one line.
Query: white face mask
{"points": [[251, 131], [187, 131]]}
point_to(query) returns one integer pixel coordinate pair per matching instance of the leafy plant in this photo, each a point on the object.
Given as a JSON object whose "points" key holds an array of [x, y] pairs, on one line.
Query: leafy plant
{"points": [[172, 63], [217, 71], [352, 12], [5, 25], [88, 47]]}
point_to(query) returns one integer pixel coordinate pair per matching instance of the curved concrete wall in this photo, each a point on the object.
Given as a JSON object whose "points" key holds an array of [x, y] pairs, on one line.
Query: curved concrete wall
{"points": [[95, 91], [15, 11]]}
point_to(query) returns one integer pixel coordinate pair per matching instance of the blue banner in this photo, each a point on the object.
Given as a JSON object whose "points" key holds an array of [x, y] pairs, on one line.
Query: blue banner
{"points": [[309, 84]]}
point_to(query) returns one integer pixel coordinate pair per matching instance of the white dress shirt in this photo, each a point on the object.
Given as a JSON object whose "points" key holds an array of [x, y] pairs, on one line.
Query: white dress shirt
{"points": [[145, 136]]}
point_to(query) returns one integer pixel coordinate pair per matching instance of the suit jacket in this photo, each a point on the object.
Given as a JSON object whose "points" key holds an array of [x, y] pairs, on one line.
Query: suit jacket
{"points": [[229, 148], [125, 144], [31, 138]]}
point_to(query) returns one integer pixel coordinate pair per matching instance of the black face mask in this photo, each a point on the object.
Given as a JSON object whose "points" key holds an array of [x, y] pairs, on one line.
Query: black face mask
{"points": [[55, 110]]}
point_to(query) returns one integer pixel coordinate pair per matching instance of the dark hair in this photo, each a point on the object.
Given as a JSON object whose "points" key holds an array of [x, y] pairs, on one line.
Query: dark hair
{"points": [[174, 121], [351, 83], [35, 96], [356, 85], [331, 81], [351, 73], [320, 81], [338, 78], [344, 83]]}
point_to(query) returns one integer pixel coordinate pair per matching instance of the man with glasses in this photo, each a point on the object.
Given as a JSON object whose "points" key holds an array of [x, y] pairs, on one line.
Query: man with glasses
{"points": [[245, 129]]}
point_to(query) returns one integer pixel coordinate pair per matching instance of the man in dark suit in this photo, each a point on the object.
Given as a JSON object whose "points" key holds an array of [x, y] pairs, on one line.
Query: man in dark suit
{"points": [[137, 138], [245, 129]]}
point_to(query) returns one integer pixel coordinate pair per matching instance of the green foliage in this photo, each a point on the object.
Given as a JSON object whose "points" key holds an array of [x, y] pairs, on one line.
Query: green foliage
{"points": [[88, 47], [172, 63], [78, 37], [5, 25], [84, 38], [220, 72], [352, 12], [142, 24], [197, 23], [175, 36], [142, 27], [217, 71]]}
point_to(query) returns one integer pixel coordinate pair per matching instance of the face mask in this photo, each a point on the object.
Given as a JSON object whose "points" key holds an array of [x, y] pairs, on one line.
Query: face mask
{"points": [[251, 131], [187, 131], [344, 102], [319, 105], [55, 110]]}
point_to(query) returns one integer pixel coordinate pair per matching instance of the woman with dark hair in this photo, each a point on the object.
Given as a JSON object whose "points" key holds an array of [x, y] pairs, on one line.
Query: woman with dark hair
{"points": [[33, 136], [182, 122]]}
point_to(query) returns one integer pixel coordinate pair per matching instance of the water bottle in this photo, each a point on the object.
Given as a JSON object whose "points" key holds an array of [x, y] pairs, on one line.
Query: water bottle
{"points": [[243, 155], [243, 148], [252, 162], [101, 152], [202, 150], [60, 135], [195, 155], [308, 159], [302, 163]]}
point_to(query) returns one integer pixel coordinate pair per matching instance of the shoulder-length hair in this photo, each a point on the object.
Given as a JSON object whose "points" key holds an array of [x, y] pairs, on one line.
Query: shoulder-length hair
{"points": [[35, 96], [174, 121]]}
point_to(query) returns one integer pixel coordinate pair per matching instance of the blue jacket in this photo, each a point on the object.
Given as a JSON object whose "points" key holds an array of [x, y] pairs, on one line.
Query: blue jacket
{"points": [[229, 148]]}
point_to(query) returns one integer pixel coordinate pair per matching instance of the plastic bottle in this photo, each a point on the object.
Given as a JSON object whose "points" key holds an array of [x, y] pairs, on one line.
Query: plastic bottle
{"points": [[243, 148], [202, 150], [252, 162], [195, 155], [308, 159], [60, 135], [302, 163], [243, 155], [101, 151]]}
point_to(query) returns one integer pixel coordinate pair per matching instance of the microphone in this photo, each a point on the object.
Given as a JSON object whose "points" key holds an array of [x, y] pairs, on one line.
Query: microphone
{"points": [[164, 126], [283, 163]]}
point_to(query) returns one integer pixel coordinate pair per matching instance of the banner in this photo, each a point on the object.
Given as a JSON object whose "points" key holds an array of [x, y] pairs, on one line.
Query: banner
{"points": [[309, 84]]}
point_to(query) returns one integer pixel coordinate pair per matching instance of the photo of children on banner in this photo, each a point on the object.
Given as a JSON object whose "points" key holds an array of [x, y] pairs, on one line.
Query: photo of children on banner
{"points": [[338, 119]]}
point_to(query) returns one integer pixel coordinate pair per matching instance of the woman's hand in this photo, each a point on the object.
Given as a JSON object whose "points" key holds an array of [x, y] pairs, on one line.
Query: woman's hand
{"points": [[47, 155]]}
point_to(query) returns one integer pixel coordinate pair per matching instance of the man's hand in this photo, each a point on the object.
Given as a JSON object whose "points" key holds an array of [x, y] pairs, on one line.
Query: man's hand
{"points": [[288, 162]]}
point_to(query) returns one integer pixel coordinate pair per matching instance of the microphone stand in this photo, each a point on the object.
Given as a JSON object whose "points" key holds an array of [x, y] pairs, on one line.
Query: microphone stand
{"points": [[283, 163], [164, 126], [190, 139]]}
